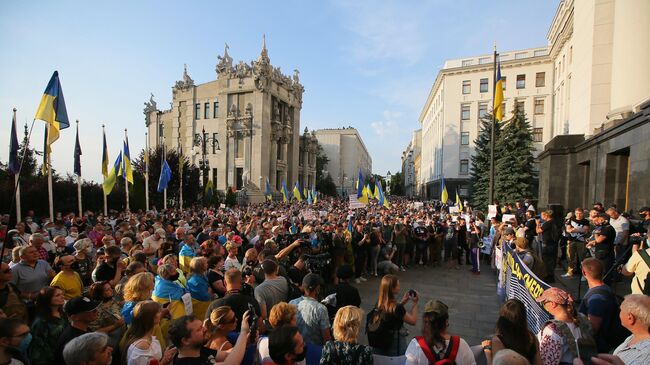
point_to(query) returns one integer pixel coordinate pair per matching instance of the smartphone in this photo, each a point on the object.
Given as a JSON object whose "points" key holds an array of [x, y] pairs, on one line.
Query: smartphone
{"points": [[412, 293], [585, 353]]}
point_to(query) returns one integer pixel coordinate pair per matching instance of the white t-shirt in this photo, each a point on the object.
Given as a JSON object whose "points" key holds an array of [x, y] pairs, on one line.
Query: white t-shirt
{"points": [[136, 356], [415, 355], [640, 270], [150, 242], [620, 225], [231, 263]]}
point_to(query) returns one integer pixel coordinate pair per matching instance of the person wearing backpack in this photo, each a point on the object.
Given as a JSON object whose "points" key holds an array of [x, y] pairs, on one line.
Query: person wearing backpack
{"points": [[385, 322], [639, 266], [436, 346]]}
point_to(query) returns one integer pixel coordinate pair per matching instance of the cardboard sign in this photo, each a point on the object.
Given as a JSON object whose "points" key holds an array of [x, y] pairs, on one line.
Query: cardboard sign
{"points": [[492, 211], [508, 218], [453, 210], [354, 203]]}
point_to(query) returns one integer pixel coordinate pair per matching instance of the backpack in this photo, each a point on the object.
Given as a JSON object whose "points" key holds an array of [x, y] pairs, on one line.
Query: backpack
{"points": [[646, 286], [449, 357], [538, 267], [586, 342], [617, 334], [379, 335], [293, 291]]}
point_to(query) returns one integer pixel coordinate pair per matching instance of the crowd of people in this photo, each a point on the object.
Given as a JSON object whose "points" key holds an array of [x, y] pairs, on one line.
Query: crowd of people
{"points": [[275, 283]]}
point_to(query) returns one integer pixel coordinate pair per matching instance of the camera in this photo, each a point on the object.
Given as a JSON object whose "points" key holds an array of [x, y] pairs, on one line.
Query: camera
{"points": [[317, 263], [412, 293], [247, 271]]}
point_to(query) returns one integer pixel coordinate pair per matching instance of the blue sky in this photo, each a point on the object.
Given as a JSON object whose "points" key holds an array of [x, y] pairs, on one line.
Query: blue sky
{"points": [[366, 64]]}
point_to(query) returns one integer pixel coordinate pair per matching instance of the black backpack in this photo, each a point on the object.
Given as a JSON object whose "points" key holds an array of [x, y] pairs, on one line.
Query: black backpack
{"points": [[293, 291], [379, 335], [617, 334]]}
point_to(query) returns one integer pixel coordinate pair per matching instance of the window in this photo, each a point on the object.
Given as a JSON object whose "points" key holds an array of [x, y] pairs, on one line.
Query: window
{"points": [[467, 87], [539, 106], [464, 111], [540, 79], [521, 81], [464, 138], [539, 52], [240, 178], [484, 85], [239, 145], [482, 110], [503, 82], [466, 63], [538, 134], [215, 111], [484, 60], [279, 152], [197, 111], [521, 107], [464, 167], [520, 55], [215, 143], [206, 110]]}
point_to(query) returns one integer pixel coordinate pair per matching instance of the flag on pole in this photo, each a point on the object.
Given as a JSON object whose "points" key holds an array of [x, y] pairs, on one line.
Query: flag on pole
{"points": [[46, 151], [77, 155], [209, 189], [296, 192], [267, 191], [127, 171], [52, 108], [309, 200], [498, 95], [459, 202], [165, 177], [313, 193], [444, 197], [104, 157], [360, 185], [285, 192], [14, 164], [111, 179]]}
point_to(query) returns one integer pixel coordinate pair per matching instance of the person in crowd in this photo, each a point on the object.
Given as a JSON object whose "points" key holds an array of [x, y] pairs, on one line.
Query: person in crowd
{"points": [[235, 299], [463, 248], [393, 314], [219, 323], [360, 240], [509, 357], [345, 349], [172, 260], [15, 256], [549, 234], [133, 268], [621, 226], [60, 247], [530, 226], [68, 279], [187, 253], [474, 253], [15, 337], [199, 287], [232, 261], [83, 249], [47, 326], [346, 294], [385, 263], [140, 346], [638, 266], [512, 333], [273, 290], [600, 307], [451, 244], [578, 230], [37, 240], [187, 334], [215, 275], [110, 266], [282, 314], [313, 319], [89, 349], [602, 244], [635, 316], [286, 346], [10, 302], [31, 273], [152, 243], [401, 235], [109, 319], [372, 249], [137, 289], [166, 288], [81, 312], [558, 339], [436, 341]]}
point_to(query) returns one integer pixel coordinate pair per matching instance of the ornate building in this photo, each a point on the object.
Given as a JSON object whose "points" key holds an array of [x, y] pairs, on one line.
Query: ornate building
{"points": [[240, 129]]}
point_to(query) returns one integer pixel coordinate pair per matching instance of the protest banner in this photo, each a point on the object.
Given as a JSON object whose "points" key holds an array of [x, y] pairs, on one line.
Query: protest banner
{"points": [[355, 203], [492, 211]]}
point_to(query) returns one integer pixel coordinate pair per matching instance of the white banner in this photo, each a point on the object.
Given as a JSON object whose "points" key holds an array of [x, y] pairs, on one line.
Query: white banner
{"points": [[354, 203]]}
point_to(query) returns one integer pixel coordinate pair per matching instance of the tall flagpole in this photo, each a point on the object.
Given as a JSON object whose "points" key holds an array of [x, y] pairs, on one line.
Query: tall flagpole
{"points": [[105, 197], [17, 182], [126, 181], [146, 171], [164, 155], [494, 88], [48, 150], [181, 162], [78, 177]]}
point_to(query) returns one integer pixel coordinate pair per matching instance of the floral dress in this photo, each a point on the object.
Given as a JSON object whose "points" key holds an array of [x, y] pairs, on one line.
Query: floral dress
{"points": [[45, 334], [345, 353]]}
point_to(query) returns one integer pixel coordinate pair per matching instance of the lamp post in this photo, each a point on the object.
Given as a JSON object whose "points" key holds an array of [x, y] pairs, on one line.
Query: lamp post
{"points": [[388, 178], [202, 142]]}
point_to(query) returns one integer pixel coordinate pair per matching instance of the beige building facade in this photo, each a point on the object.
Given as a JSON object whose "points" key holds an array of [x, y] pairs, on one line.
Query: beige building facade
{"points": [[411, 162], [347, 154], [245, 124]]}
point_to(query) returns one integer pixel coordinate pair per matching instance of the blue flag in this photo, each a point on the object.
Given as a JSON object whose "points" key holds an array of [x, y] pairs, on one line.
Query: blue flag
{"points": [[165, 177], [360, 184], [14, 164]]}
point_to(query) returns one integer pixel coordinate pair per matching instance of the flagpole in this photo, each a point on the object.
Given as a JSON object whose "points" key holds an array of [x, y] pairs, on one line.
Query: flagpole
{"points": [[146, 171], [78, 178], [181, 162], [17, 183], [49, 174], [161, 164], [494, 88], [126, 181], [105, 197]]}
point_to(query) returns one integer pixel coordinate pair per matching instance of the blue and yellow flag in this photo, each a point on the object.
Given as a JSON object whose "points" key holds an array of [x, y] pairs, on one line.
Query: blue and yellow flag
{"points": [[14, 163], [296, 192], [105, 157], [111, 179], [127, 171], [313, 194], [360, 185], [165, 176], [285, 192], [209, 189], [52, 108], [382, 198], [267, 191], [458, 202], [309, 200], [498, 95], [444, 197]]}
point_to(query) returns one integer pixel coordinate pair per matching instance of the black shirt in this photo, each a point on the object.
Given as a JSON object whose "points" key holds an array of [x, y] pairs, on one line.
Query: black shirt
{"points": [[105, 272], [213, 277], [207, 357], [238, 302], [530, 232], [346, 294], [548, 233], [605, 248], [69, 333]]}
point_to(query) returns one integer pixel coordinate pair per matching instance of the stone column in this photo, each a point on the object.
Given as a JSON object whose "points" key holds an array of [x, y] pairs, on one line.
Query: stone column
{"points": [[305, 166], [230, 159], [273, 165]]}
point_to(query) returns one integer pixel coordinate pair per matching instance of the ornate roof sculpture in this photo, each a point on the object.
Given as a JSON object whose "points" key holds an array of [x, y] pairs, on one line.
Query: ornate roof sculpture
{"points": [[149, 106], [186, 82]]}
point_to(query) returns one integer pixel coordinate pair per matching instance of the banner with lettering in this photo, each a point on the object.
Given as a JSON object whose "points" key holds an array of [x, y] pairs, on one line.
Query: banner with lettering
{"points": [[522, 284]]}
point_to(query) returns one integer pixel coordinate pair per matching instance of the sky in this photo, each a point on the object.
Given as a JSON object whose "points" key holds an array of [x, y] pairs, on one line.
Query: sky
{"points": [[363, 63]]}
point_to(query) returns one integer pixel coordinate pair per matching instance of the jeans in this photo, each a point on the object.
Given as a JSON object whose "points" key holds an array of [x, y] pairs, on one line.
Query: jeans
{"points": [[373, 254], [359, 261]]}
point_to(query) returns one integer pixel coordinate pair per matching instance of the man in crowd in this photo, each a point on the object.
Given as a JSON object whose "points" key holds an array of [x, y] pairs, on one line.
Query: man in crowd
{"points": [[549, 233], [313, 320], [81, 311], [37, 241], [360, 239], [151, 244], [273, 290], [639, 267], [88, 349], [15, 338], [31, 273], [635, 316], [603, 243], [622, 227], [111, 268], [235, 299], [286, 346], [578, 229]]}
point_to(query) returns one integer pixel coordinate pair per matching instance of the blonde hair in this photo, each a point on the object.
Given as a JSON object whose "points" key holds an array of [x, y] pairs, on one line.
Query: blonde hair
{"points": [[282, 314], [521, 243], [386, 302], [217, 318], [138, 287], [198, 265], [347, 324]]}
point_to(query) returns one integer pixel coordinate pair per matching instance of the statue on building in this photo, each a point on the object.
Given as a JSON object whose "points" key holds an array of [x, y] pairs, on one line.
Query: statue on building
{"points": [[224, 66], [186, 82], [149, 106]]}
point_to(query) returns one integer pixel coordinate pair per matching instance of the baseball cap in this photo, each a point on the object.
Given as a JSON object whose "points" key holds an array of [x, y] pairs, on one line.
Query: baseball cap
{"points": [[555, 295], [437, 308], [311, 281], [79, 305]]}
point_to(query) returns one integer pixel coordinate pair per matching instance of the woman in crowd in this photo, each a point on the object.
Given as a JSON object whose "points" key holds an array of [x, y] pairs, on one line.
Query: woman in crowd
{"points": [[83, 250], [220, 322], [137, 289], [215, 275], [47, 326], [109, 319], [167, 289], [232, 261], [436, 343], [68, 279], [557, 340], [346, 350], [282, 314], [133, 268], [512, 333], [394, 314], [140, 346], [172, 260], [199, 287]]}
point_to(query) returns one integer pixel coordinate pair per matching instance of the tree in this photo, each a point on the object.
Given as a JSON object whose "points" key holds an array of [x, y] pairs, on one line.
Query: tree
{"points": [[515, 177], [324, 182], [480, 170], [396, 187], [327, 186]]}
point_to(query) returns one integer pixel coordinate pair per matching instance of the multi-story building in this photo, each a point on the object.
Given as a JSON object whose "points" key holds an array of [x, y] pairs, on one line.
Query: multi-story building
{"points": [[462, 95], [347, 154], [245, 125], [411, 165]]}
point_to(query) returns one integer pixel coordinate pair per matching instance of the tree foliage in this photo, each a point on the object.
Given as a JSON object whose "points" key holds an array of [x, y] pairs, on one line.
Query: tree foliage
{"points": [[480, 170], [396, 187], [324, 182]]}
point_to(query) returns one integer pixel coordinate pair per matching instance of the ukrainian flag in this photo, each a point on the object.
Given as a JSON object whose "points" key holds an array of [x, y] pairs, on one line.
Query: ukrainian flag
{"points": [[111, 179], [458, 202], [313, 193], [498, 95], [267, 191], [444, 197], [105, 157], [360, 185], [209, 190], [382, 198], [296, 192], [52, 108], [285, 192], [126, 160]]}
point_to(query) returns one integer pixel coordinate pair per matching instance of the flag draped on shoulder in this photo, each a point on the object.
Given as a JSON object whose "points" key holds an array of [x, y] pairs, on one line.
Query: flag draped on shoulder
{"points": [[52, 108], [14, 164], [77, 155], [165, 176], [127, 171], [444, 197], [111, 179], [498, 95]]}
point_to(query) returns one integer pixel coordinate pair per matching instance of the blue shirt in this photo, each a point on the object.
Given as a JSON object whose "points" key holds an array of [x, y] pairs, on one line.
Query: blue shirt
{"points": [[198, 286], [312, 319]]}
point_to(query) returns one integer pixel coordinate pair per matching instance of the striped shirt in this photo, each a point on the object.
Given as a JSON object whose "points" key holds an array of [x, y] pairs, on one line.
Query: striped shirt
{"points": [[639, 353]]}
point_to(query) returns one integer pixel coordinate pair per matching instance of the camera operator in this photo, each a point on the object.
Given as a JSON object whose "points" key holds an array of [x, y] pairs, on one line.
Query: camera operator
{"points": [[360, 239], [251, 269], [639, 233]]}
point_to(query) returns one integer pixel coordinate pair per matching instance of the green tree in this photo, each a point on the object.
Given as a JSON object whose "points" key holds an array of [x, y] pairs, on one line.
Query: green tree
{"points": [[480, 170], [396, 187], [324, 182], [515, 177]]}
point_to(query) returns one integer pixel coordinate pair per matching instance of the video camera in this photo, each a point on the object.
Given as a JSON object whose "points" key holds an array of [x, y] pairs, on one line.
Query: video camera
{"points": [[318, 263]]}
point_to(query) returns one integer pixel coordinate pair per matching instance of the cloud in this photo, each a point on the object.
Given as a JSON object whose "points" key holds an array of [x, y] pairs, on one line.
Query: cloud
{"points": [[387, 126]]}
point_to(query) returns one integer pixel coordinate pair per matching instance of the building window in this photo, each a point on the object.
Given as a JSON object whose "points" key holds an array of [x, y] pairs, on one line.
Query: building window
{"points": [[539, 106], [206, 110], [520, 55], [540, 79], [215, 111], [239, 145], [197, 111], [482, 110], [484, 85], [540, 52], [215, 143], [503, 82], [467, 63], [538, 134], [464, 112], [521, 81], [240, 178], [467, 87], [279, 151], [484, 60], [464, 167], [464, 138]]}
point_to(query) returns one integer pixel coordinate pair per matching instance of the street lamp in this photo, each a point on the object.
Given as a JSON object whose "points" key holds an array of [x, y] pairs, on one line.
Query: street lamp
{"points": [[389, 178], [202, 142]]}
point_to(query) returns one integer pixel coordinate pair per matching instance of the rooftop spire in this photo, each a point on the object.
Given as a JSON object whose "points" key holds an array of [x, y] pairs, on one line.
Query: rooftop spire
{"points": [[264, 54]]}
